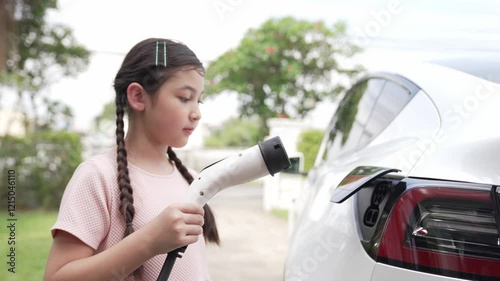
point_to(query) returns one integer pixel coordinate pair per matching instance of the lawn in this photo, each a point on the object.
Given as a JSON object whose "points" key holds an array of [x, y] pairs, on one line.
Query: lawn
{"points": [[280, 213], [32, 245]]}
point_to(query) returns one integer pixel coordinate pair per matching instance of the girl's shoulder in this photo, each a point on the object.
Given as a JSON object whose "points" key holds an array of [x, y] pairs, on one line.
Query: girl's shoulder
{"points": [[103, 163], [106, 157]]}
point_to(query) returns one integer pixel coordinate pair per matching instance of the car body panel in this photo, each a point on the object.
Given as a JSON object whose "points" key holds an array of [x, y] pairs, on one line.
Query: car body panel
{"points": [[334, 252], [469, 110], [386, 150]]}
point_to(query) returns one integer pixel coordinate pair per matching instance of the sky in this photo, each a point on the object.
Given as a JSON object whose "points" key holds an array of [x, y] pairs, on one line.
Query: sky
{"points": [[388, 29]]}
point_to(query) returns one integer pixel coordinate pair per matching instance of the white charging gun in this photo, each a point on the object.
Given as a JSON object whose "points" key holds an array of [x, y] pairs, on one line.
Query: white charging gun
{"points": [[265, 158]]}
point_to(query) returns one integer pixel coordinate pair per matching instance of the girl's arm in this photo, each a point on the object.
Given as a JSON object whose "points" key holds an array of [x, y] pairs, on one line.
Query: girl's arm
{"points": [[71, 259]]}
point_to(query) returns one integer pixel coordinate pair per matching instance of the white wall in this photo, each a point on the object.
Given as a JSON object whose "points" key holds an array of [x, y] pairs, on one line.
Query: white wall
{"points": [[280, 190], [11, 122], [288, 130]]}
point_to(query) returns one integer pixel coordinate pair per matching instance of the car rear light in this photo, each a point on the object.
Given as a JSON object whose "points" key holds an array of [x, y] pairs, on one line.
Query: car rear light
{"points": [[443, 230]]}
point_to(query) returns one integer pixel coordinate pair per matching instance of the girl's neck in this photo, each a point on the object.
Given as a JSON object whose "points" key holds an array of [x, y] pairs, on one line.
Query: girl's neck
{"points": [[147, 156]]}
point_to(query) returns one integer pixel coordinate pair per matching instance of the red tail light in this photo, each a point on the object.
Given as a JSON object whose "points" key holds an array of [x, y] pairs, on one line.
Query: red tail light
{"points": [[443, 230]]}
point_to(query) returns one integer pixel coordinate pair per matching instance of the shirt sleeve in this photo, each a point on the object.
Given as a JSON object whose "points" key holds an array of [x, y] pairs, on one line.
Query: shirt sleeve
{"points": [[84, 210]]}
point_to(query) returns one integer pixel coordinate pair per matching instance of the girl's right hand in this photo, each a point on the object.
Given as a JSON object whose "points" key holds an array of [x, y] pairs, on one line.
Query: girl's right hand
{"points": [[178, 225]]}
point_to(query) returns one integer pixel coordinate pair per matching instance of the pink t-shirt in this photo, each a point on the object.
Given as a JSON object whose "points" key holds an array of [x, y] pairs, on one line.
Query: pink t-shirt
{"points": [[89, 211]]}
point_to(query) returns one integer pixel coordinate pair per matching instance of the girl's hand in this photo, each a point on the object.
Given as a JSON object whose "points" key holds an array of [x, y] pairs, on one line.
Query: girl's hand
{"points": [[178, 225]]}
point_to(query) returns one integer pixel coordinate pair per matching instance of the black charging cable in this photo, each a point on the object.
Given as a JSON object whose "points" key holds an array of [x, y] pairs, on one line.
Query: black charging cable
{"points": [[169, 263]]}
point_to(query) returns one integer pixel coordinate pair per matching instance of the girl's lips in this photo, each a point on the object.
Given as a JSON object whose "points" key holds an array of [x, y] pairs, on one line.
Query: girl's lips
{"points": [[189, 131]]}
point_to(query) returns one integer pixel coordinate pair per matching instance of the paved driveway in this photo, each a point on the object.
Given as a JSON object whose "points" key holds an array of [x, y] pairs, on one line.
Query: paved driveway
{"points": [[253, 242]]}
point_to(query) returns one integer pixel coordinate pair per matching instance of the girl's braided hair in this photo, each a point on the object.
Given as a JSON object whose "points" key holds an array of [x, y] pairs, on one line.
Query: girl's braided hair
{"points": [[151, 63]]}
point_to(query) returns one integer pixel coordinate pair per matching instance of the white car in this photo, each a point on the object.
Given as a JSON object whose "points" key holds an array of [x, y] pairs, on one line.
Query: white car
{"points": [[405, 183]]}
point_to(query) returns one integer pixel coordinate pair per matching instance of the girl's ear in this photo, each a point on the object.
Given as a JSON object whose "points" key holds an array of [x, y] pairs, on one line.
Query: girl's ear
{"points": [[136, 96]]}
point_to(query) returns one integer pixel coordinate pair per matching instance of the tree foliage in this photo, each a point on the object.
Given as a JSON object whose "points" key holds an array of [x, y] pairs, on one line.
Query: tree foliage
{"points": [[235, 132], [37, 54], [41, 53], [108, 114], [43, 164], [41, 46], [284, 67], [308, 144]]}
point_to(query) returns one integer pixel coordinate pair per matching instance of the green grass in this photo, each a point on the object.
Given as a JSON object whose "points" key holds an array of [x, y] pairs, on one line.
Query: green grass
{"points": [[32, 245], [280, 213]]}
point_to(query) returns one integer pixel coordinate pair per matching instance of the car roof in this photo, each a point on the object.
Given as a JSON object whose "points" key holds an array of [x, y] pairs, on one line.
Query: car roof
{"points": [[483, 66], [443, 82], [468, 105]]}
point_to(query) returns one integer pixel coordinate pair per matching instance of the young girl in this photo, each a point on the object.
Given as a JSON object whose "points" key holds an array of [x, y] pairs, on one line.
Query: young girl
{"points": [[120, 213]]}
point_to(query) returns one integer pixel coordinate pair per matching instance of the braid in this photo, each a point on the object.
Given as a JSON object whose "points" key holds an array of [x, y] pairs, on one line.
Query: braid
{"points": [[210, 227], [126, 193]]}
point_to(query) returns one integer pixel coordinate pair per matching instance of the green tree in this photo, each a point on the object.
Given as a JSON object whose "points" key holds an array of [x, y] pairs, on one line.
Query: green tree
{"points": [[101, 133], [283, 68], [308, 144], [43, 163], [235, 132], [108, 114], [40, 54], [34, 54]]}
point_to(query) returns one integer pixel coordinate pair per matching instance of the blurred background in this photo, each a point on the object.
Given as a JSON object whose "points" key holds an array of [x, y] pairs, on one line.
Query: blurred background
{"points": [[272, 68]]}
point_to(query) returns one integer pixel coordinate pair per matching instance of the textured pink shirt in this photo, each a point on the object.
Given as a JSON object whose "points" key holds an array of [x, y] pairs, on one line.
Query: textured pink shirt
{"points": [[89, 211]]}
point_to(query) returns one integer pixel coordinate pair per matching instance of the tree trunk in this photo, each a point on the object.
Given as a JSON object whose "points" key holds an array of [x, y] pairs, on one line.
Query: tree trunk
{"points": [[4, 18], [6, 30]]}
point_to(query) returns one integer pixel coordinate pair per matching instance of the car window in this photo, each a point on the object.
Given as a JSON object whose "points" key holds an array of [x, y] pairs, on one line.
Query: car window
{"points": [[349, 121], [390, 102]]}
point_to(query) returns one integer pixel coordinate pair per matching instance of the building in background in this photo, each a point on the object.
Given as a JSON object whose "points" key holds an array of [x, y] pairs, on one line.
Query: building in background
{"points": [[280, 190], [12, 123]]}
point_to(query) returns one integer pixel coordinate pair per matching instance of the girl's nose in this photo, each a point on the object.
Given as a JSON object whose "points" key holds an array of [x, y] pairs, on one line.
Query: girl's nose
{"points": [[195, 114]]}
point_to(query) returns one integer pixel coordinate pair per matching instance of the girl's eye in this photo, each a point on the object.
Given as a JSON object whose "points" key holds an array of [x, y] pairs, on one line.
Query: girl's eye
{"points": [[184, 99], [200, 102]]}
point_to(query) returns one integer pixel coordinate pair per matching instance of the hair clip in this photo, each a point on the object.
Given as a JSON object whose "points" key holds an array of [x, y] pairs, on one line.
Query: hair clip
{"points": [[164, 54], [156, 62]]}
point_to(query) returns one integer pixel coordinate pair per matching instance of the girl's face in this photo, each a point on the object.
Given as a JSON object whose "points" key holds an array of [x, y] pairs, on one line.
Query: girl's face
{"points": [[173, 113]]}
